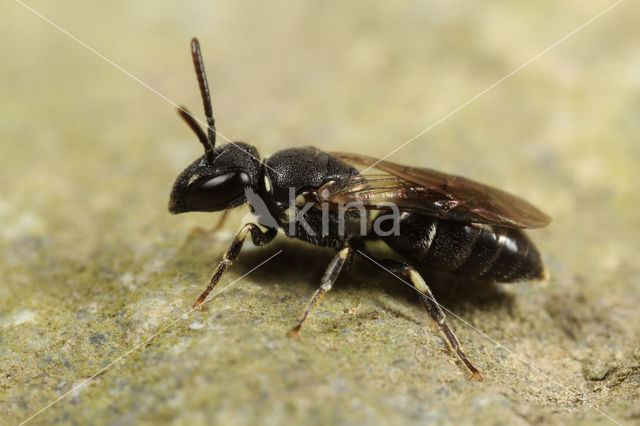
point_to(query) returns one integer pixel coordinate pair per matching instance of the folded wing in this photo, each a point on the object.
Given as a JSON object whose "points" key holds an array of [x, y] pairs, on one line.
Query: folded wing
{"points": [[431, 193]]}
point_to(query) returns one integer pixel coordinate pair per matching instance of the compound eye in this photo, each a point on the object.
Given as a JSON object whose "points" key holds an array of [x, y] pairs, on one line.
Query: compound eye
{"points": [[217, 193]]}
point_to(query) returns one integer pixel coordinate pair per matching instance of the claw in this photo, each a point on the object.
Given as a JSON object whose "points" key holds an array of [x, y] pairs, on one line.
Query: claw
{"points": [[294, 333], [198, 231], [475, 377], [199, 303]]}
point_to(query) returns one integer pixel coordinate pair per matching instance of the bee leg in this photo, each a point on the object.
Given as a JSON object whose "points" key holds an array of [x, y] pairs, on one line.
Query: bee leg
{"points": [[432, 307], [343, 256], [221, 221], [198, 231], [259, 238]]}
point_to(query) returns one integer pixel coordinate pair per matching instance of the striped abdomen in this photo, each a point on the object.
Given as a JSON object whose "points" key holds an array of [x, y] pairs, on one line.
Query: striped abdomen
{"points": [[487, 252]]}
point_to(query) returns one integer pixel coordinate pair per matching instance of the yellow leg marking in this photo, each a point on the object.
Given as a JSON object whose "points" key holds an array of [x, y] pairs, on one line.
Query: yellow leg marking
{"points": [[327, 282], [418, 282], [342, 254]]}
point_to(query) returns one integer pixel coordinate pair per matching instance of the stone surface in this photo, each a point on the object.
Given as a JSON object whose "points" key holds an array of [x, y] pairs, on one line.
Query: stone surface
{"points": [[95, 275]]}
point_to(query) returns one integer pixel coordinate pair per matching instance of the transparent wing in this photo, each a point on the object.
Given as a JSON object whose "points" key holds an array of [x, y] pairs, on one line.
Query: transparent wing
{"points": [[432, 193]]}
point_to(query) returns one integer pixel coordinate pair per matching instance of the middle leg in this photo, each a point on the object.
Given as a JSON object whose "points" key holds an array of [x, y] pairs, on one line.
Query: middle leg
{"points": [[331, 274]]}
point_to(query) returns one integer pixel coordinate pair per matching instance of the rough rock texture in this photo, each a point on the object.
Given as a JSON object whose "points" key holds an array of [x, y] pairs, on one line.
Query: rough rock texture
{"points": [[94, 271]]}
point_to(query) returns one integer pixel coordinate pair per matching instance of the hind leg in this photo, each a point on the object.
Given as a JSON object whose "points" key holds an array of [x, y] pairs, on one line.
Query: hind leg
{"points": [[396, 268]]}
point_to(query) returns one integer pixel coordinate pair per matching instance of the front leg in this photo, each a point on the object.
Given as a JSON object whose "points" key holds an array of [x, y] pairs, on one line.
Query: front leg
{"points": [[259, 238], [197, 231]]}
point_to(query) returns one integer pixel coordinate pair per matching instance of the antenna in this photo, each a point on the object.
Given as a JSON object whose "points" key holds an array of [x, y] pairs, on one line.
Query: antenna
{"points": [[204, 90], [191, 122]]}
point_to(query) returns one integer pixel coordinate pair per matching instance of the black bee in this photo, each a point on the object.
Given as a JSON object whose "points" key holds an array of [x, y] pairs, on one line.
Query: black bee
{"points": [[440, 221]]}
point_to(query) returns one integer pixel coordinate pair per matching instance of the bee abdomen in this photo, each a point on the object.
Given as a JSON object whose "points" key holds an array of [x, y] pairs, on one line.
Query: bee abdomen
{"points": [[503, 255], [481, 251]]}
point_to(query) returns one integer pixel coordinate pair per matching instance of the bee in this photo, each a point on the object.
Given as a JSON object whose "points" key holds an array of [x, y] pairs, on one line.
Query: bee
{"points": [[441, 221]]}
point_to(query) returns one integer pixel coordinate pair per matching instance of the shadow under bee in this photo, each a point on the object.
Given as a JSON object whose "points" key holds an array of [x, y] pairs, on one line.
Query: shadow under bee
{"points": [[300, 266]]}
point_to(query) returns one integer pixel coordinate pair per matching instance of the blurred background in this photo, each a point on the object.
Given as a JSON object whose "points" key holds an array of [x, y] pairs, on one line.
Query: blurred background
{"points": [[91, 262]]}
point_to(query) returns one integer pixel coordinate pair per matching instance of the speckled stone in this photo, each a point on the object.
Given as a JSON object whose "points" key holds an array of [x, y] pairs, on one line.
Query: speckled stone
{"points": [[96, 276]]}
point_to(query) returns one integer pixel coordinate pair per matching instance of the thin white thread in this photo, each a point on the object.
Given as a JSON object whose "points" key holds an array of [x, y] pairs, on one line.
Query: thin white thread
{"points": [[523, 361], [495, 84], [183, 316], [100, 55]]}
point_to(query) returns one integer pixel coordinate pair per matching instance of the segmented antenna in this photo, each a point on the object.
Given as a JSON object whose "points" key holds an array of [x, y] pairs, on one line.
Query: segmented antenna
{"points": [[191, 122], [204, 90]]}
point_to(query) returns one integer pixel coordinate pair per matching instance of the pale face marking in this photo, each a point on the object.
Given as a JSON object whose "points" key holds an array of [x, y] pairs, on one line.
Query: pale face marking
{"points": [[193, 178]]}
